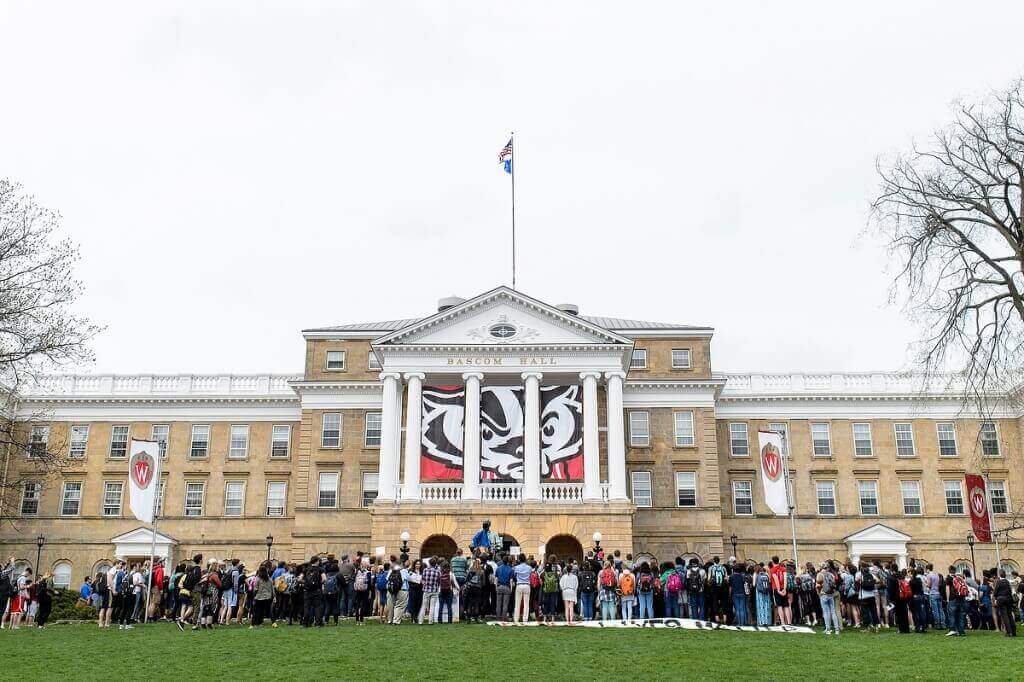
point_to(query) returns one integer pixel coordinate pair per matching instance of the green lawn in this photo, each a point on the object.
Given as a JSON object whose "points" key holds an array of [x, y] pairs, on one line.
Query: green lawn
{"points": [[374, 652]]}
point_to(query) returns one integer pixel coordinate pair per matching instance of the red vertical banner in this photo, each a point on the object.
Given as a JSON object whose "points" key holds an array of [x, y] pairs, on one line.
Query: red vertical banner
{"points": [[977, 502]]}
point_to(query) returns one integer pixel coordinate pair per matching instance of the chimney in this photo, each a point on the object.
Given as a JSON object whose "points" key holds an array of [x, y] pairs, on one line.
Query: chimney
{"points": [[570, 308], [448, 302]]}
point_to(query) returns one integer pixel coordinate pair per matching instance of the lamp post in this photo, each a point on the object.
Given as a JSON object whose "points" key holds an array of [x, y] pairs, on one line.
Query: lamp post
{"points": [[733, 539], [404, 537], [970, 543], [270, 543], [597, 542], [40, 541]]}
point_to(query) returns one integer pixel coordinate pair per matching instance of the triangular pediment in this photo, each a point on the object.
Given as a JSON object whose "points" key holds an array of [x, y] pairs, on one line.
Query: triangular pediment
{"points": [[502, 317], [143, 534], [878, 533]]}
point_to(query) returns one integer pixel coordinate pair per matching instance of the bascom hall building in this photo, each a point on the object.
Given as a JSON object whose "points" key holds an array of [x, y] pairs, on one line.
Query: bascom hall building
{"points": [[554, 424]]}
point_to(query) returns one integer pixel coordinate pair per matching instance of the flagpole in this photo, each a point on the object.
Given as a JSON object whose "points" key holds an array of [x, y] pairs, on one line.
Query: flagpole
{"points": [[152, 555], [991, 516], [511, 141], [789, 499]]}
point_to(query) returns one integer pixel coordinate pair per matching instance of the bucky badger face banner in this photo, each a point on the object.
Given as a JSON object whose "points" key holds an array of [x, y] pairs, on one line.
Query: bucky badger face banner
{"points": [[561, 433], [444, 409], [501, 433]]}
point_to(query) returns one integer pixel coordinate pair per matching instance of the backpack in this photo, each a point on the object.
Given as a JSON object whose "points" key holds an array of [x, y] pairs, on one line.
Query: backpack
{"points": [[806, 583], [718, 574], [100, 587], [674, 583], [446, 581], [764, 585], [331, 587], [587, 581], [646, 583], [382, 581], [960, 586], [281, 585], [790, 582], [395, 582], [550, 582], [905, 592], [191, 578], [362, 582], [534, 579], [867, 581], [828, 583], [626, 584], [126, 583], [608, 578]]}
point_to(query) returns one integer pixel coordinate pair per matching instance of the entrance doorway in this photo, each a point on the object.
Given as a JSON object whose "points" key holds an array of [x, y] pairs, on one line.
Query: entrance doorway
{"points": [[565, 547], [439, 546], [508, 542]]}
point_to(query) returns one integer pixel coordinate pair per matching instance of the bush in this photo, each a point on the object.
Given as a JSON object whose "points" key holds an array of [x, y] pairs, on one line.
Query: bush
{"points": [[66, 607]]}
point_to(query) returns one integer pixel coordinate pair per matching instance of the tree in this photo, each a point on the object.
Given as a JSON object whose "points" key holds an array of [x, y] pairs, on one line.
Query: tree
{"points": [[39, 332]]}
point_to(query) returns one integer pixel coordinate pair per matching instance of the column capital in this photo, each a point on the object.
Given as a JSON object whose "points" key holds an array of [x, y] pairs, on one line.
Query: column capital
{"points": [[532, 375], [466, 376], [414, 375], [590, 374], [612, 375], [397, 376]]}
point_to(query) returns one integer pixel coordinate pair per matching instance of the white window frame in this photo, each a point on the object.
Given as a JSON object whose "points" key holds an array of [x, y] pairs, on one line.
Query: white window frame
{"points": [[680, 421], [78, 435], [161, 433], [858, 441], [828, 439], [938, 435], [945, 496], [633, 357], [366, 429], [62, 574], [192, 443], [116, 429], [639, 440], [320, 489], [680, 476], [275, 440], [202, 500], [109, 487], [39, 439], [1005, 497], [903, 497], [749, 495], [782, 428], [64, 499], [36, 496], [364, 488], [682, 365], [234, 452], [818, 498], [995, 430], [158, 503], [733, 440], [860, 497], [230, 511], [327, 361], [323, 430], [641, 500], [896, 436], [277, 511]]}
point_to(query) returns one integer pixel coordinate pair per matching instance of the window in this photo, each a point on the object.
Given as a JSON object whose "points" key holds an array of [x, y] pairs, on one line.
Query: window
{"points": [[161, 433], [79, 441], [639, 359], [954, 497], [30, 493], [71, 498], [373, 362], [280, 440], [862, 439], [947, 438], [739, 443], [119, 441], [372, 430], [641, 484], [234, 498], [686, 488], [639, 429], [989, 439], [911, 492], [369, 487], [62, 575], [335, 360], [962, 566], [826, 498], [158, 503], [997, 493], [742, 500], [38, 439], [276, 498], [680, 358], [200, 447], [904, 439], [683, 428], [782, 429], [195, 491], [112, 492], [821, 440], [330, 434], [238, 447], [328, 488], [868, 497]]}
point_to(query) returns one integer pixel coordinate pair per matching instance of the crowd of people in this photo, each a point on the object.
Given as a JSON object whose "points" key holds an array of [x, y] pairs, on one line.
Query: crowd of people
{"points": [[482, 585]]}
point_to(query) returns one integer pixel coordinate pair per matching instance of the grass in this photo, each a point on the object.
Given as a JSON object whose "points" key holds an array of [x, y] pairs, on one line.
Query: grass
{"points": [[486, 652]]}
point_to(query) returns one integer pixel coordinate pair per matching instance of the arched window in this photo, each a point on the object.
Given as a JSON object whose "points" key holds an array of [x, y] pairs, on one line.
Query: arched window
{"points": [[645, 557], [102, 566], [62, 575], [686, 558], [1008, 566], [963, 565]]}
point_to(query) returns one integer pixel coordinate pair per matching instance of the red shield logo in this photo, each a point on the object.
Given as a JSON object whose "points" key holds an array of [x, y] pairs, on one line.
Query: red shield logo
{"points": [[771, 462], [141, 468], [978, 506]]}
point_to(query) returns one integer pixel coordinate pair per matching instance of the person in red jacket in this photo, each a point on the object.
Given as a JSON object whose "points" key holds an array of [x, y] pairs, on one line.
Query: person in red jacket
{"points": [[156, 588]]}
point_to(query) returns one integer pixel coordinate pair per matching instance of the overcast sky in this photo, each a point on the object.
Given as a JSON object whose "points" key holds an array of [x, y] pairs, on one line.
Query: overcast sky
{"points": [[235, 174]]}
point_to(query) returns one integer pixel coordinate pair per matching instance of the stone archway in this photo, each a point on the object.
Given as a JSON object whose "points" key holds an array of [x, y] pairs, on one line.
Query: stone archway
{"points": [[508, 542], [440, 546], [564, 547]]}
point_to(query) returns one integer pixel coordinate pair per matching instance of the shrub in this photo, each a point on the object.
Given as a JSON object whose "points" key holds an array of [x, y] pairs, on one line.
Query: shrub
{"points": [[66, 607]]}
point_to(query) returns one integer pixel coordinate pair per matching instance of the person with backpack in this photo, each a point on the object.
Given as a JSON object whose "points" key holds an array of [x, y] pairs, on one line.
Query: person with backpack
{"points": [[473, 592], [549, 578], [586, 589], [762, 595], [718, 581], [739, 588], [332, 591], [398, 592], [504, 587], [447, 585], [627, 593], [672, 585], [1003, 594], [827, 587], [897, 593], [188, 581], [866, 588], [882, 594], [609, 587], [957, 590], [361, 586], [645, 587], [695, 581], [807, 591]]}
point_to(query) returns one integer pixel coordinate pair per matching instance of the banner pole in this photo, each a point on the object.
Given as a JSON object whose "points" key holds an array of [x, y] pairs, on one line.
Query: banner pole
{"points": [[789, 501], [512, 142], [991, 518], [149, 580]]}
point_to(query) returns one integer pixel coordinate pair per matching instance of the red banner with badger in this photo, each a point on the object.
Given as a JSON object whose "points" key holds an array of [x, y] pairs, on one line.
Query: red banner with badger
{"points": [[977, 502], [444, 410]]}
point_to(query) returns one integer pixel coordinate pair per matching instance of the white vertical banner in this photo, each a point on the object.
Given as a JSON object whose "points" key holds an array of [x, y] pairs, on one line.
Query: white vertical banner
{"points": [[143, 478], [772, 474]]}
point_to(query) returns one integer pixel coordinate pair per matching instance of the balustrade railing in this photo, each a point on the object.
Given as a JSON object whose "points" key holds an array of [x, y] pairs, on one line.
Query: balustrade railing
{"points": [[501, 492], [441, 492], [562, 493]]}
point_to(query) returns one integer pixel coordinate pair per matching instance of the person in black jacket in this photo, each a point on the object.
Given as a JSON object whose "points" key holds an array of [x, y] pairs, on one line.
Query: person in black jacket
{"points": [[1004, 603], [899, 604]]}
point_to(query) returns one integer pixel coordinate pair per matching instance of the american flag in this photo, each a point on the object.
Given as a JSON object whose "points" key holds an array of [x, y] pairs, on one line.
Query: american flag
{"points": [[505, 156]]}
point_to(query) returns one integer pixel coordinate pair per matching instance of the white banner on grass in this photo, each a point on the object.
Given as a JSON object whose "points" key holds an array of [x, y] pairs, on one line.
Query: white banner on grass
{"points": [[677, 623]]}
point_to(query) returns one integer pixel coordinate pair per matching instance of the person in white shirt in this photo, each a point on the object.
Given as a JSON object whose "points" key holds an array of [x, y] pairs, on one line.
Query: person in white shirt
{"points": [[569, 583]]}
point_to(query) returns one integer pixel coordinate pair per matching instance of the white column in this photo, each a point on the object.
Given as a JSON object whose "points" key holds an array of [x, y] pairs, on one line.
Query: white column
{"points": [[591, 451], [387, 470], [616, 439], [531, 437], [413, 419], [471, 437]]}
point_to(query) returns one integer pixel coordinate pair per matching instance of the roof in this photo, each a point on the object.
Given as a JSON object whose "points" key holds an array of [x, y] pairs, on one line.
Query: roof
{"points": [[611, 323]]}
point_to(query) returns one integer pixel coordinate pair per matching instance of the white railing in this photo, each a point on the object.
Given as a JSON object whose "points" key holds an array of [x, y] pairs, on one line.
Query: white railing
{"points": [[501, 492], [441, 492], [604, 491], [859, 383], [562, 493], [163, 384]]}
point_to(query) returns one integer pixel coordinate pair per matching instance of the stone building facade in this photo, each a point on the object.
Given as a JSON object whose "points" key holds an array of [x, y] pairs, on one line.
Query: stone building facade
{"points": [[616, 427]]}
